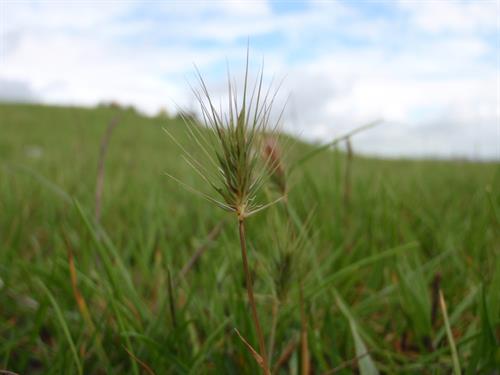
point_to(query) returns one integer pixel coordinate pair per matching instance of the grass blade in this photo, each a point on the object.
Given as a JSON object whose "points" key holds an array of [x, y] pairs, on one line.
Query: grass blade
{"points": [[365, 362], [64, 326], [451, 341], [352, 268], [335, 141]]}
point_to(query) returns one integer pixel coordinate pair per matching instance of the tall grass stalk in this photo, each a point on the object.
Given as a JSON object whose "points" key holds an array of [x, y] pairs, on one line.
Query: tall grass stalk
{"points": [[232, 164], [251, 298]]}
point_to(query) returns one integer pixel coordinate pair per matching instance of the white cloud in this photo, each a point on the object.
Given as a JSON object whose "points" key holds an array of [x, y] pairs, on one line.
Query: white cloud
{"points": [[425, 115], [452, 15], [429, 68]]}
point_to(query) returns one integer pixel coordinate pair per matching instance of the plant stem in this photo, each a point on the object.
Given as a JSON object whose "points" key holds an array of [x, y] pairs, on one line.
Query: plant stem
{"points": [[251, 299]]}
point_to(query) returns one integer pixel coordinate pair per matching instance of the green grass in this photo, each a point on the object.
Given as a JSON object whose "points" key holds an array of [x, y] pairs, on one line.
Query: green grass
{"points": [[367, 266]]}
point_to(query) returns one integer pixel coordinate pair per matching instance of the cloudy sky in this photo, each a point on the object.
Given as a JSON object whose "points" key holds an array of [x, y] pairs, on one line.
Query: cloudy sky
{"points": [[430, 69]]}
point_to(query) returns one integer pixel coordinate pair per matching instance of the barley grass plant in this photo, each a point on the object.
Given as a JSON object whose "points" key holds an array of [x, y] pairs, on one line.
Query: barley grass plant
{"points": [[232, 163]]}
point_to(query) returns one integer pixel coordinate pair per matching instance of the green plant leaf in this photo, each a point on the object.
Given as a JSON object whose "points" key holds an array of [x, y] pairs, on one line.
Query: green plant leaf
{"points": [[365, 362]]}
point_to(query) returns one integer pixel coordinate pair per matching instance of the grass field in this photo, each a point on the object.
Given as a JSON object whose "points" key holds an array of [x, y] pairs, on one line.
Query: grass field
{"points": [[347, 275]]}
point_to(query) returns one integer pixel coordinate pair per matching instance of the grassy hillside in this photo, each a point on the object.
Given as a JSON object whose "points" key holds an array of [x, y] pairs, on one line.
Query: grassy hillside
{"points": [[371, 255]]}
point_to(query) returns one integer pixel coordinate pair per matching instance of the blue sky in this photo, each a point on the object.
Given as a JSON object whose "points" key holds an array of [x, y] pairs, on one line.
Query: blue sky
{"points": [[429, 68]]}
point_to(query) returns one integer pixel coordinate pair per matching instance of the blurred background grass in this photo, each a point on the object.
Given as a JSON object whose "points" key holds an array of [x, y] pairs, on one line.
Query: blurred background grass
{"points": [[370, 263]]}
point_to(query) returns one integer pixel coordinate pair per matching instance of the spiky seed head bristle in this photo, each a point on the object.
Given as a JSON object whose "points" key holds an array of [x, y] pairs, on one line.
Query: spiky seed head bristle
{"points": [[232, 163]]}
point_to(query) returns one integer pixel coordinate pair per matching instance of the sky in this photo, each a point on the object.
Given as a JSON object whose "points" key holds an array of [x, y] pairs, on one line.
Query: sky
{"points": [[429, 69]]}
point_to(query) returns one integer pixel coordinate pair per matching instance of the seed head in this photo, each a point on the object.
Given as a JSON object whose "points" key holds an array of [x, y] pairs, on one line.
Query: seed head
{"points": [[232, 144]]}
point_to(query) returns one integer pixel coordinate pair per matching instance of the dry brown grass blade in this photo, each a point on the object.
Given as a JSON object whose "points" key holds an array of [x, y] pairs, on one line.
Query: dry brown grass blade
{"points": [[80, 301], [212, 235], [257, 356], [100, 169], [457, 370], [285, 355], [142, 363]]}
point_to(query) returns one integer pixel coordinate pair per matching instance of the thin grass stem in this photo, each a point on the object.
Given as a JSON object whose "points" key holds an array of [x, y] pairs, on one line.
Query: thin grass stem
{"points": [[251, 298]]}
